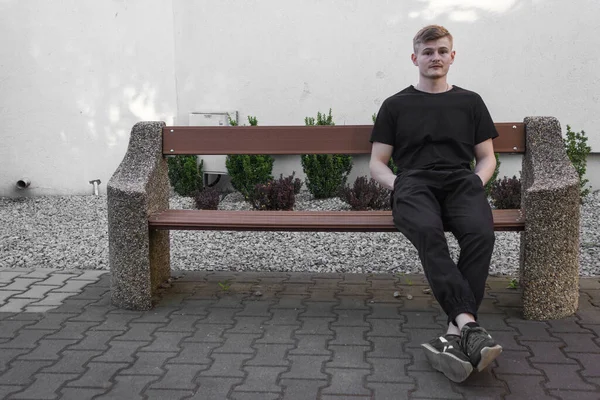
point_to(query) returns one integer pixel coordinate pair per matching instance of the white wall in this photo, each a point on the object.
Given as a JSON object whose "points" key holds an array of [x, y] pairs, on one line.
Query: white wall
{"points": [[76, 75]]}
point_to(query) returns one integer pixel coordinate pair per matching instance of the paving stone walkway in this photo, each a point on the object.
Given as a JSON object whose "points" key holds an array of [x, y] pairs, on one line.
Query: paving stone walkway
{"points": [[222, 335]]}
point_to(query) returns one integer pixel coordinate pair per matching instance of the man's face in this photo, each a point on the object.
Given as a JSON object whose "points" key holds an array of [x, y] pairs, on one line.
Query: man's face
{"points": [[434, 58]]}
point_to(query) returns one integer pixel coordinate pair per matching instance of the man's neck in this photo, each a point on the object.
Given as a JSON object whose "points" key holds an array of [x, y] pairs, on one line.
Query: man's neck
{"points": [[433, 86]]}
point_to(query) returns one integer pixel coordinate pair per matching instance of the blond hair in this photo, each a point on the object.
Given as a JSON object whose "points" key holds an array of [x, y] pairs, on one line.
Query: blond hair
{"points": [[430, 32]]}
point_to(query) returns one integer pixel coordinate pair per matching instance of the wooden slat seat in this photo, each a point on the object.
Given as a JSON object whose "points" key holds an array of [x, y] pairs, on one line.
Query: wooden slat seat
{"points": [[321, 221]]}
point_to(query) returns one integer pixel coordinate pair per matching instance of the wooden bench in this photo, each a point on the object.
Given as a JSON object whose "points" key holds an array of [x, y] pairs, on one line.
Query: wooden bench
{"points": [[134, 284]]}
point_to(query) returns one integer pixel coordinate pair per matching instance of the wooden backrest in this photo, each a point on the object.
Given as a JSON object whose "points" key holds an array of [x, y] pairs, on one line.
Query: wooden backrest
{"points": [[341, 139]]}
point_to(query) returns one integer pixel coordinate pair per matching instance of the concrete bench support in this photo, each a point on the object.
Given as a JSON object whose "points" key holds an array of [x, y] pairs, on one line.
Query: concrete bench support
{"points": [[549, 271], [139, 258]]}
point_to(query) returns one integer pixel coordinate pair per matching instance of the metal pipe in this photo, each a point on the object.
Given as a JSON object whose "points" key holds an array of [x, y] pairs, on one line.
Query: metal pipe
{"points": [[23, 183], [95, 182]]}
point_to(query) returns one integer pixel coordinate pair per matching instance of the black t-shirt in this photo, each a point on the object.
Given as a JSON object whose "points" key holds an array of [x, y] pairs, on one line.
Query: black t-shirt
{"points": [[436, 131]]}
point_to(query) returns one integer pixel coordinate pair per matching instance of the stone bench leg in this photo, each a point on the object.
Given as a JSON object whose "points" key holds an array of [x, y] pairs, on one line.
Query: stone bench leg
{"points": [[139, 258], [549, 270]]}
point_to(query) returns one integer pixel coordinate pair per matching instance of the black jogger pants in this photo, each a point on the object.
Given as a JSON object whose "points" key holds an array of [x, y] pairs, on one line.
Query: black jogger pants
{"points": [[424, 204]]}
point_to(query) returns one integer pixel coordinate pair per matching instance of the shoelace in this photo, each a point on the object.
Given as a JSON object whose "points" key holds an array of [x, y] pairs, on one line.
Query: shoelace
{"points": [[470, 341]]}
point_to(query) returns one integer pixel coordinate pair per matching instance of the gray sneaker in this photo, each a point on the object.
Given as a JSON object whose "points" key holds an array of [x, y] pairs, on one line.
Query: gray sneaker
{"points": [[446, 355], [479, 346]]}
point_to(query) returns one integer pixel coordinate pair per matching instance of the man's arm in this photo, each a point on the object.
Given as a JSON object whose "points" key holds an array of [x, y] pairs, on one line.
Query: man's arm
{"points": [[485, 160], [380, 155]]}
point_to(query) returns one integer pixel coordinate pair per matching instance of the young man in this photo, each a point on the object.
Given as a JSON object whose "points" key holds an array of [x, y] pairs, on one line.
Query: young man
{"points": [[432, 131]]}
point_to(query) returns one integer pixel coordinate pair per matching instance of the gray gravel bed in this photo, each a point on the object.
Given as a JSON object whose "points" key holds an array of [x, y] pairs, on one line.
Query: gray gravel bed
{"points": [[71, 232]]}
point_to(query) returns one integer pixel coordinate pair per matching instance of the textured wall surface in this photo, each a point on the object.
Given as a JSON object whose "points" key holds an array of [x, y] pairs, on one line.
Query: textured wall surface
{"points": [[550, 243], [77, 74], [139, 259]]}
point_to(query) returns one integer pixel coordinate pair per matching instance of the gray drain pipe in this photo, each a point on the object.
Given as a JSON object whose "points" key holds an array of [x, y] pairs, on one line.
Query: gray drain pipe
{"points": [[23, 183], [95, 182]]}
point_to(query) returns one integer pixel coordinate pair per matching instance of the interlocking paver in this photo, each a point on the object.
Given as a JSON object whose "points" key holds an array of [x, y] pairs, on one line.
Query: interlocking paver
{"points": [[350, 318], [35, 291], [15, 305], [281, 334], [72, 330], [120, 351], [350, 336], [261, 379], [312, 345], [561, 376], [579, 342], [166, 341], [167, 394], [547, 352], [270, 354], [7, 294], [148, 363], [385, 311], [348, 356], [227, 365], [25, 339], [525, 387], [178, 376], [45, 386], [214, 388], [347, 382], [290, 301], [20, 372], [319, 309], [302, 389], [20, 284], [98, 375], [316, 336], [433, 385], [127, 387], [389, 370], [79, 393], [315, 326], [71, 362], [237, 343], [47, 350], [72, 286], [394, 391], [516, 362], [11, 326], [95, 340], [306, 367], [386, 328]]}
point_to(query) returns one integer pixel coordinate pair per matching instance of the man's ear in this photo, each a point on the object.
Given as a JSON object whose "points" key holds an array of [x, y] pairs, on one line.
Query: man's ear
{"points": [[413, 57], [452, 55]]}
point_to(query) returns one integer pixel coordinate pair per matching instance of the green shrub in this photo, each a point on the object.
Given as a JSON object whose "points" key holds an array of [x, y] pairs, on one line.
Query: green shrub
{"points": [[207, 199], [326, 174], [506, 193], [277, 194], [578, 150], [186, 174], [366, 194], [246, 171], [391, 164], [490, 183]]}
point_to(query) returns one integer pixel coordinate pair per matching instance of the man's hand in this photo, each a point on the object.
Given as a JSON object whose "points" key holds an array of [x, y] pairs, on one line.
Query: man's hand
{"points": [[380, 155], [485, 160]]}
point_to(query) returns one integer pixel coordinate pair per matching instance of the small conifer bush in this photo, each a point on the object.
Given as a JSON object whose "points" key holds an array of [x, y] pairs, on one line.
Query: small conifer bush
{"points": [[186, 174], [578, 150], [246, 171], [326, 174]]}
